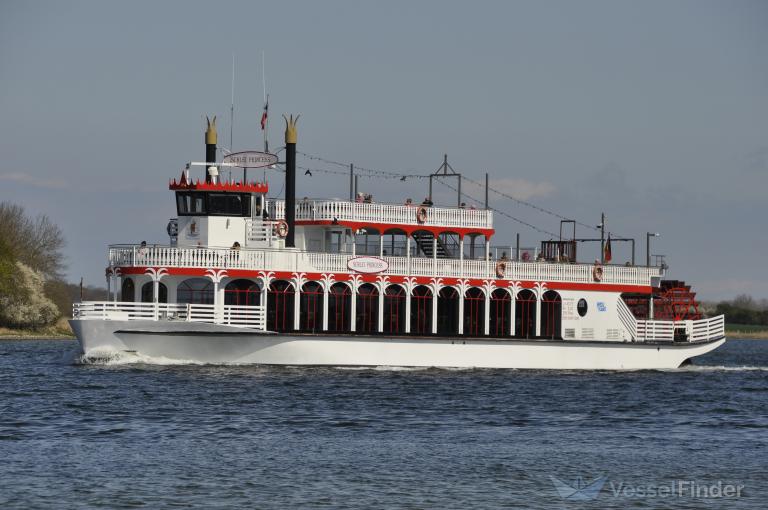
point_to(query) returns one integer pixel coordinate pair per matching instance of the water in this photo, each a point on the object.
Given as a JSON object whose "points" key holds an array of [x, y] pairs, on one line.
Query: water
{"points": [[134, 432]]}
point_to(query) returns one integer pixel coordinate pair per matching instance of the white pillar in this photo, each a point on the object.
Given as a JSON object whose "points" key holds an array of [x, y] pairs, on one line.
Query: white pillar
{"points": [[461, 257], [488, 257], [297, 307], [461, 312], [216, 301], [512, 316], [538, 315], [326, 293], [408, 310], [434, 256], [353, 310], [487, 318], [380, 325], [434, 312], [381, 245], [408, 255]]}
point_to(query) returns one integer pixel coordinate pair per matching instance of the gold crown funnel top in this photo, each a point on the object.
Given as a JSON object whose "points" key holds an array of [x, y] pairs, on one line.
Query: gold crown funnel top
{"points": [[290, 128], [210, 132]]}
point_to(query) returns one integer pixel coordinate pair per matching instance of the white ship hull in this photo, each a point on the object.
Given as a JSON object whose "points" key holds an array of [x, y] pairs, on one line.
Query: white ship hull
{"points": [[212, 343]]}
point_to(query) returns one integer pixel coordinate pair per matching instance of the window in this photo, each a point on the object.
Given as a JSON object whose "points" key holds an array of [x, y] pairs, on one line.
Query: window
{"points": [[229, 204], [190, 204], [195, 291], [215, 204], [581, 307]]}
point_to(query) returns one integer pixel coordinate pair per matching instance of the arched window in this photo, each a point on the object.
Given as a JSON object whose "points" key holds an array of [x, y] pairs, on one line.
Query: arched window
{"points": [[197, 291], [311, 307], [448, 311], [551, 315], [127, 290], [148, 288], [525, 314], [421, 311], [394, 310], [501, 303], [280, 306], [474, 312], [367, 320], [242, 292], [339, 308]]}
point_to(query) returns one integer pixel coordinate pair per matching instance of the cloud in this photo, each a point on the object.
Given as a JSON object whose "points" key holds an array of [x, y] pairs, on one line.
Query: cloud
{"points": [[31, 180], [522, 189]]}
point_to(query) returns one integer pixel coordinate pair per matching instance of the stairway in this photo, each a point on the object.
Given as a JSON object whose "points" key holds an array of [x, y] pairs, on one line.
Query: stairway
{"points": [[424, 242]]}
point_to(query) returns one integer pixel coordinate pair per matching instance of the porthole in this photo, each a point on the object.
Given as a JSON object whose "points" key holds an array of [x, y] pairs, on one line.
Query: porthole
{"points": [[581, 307]]}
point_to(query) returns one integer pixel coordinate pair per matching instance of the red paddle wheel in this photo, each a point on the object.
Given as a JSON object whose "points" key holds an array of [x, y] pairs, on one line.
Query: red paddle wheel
{"points": [[675, 301]]}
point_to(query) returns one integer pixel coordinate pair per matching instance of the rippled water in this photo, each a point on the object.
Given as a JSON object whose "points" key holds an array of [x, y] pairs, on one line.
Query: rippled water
{"points": [[134, 432]]}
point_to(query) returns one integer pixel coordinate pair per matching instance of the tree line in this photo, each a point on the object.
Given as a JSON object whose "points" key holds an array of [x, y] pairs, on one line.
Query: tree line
{"points": [[744, 310], [33, 293]]}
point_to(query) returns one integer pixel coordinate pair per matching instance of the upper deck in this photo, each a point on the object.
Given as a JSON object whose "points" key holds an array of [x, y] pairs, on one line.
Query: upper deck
{"points": [[310, 262], [356, 214]]}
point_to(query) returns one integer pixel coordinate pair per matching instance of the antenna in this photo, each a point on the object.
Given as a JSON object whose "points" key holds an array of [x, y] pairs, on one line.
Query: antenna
{"points": [[232, 105], [265, 115]]}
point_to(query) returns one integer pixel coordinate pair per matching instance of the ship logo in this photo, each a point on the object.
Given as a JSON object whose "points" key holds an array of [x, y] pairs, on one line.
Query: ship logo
{"points": [[579, 490]]}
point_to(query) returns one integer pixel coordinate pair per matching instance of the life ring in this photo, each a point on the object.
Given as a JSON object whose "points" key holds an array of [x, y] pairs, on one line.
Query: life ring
{"points": [[281, 228], [501, 268], [421, 214], [597, 272]]}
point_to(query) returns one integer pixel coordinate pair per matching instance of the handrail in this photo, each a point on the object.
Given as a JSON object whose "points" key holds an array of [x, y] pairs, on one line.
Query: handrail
{"points": [[253, 317], [285, 260], [627, 318], [328, 210]]}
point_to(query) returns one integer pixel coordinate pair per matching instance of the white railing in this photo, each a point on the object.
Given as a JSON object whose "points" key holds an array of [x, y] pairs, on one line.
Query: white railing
{"points": [[283, 260], [706, 329], [260, 231], [627, 318], [693, 331], [253, 317], [328, 210]]}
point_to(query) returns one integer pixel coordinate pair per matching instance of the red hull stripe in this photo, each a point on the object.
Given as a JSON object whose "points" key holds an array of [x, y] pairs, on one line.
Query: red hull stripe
{"points": [[420, 280]]}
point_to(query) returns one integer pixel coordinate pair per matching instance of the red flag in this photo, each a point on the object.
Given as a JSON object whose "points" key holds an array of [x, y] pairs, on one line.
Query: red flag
{"points": [[264, 116], [608, 255]]}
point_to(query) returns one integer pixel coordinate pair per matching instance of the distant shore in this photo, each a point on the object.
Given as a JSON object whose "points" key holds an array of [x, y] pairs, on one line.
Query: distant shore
{"points": [[58, 331]]}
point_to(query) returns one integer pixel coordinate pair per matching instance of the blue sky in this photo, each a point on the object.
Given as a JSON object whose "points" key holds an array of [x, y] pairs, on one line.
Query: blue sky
{"points": [[655, 112]]}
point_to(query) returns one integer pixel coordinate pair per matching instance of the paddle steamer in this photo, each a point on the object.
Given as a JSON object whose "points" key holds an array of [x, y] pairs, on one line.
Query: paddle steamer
{"points": [[246, 278]]}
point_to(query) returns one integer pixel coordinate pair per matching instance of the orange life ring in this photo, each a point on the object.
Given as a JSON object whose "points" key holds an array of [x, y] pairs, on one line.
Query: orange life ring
{"points": [[421, 214], [597, 272], [501, 268], [281, 228]]}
